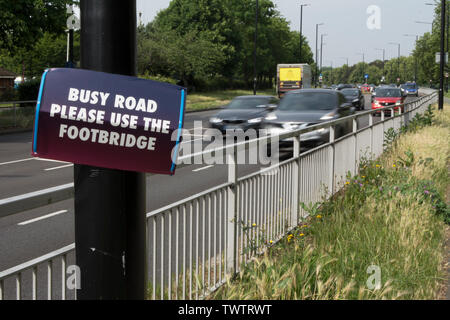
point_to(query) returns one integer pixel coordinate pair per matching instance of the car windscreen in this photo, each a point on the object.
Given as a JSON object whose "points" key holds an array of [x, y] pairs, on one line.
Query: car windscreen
{"points": [[247, 103], [410, 86], [388, 92], [349, 92], [308, 101]]}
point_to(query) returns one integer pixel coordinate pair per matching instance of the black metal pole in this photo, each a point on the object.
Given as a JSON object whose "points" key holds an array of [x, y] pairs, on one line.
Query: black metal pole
{"points": [[71, 46], [317, 59], [301, 31], [442, 63], [416, 62], [110, 225], [254, 49]]}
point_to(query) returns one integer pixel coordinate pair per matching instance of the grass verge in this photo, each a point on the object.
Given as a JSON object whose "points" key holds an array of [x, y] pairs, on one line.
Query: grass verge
{"points": [[383, 237], [214, 99]]}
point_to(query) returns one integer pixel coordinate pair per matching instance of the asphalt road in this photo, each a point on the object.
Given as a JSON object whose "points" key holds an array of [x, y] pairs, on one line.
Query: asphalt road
{"points": [[33, 233]]}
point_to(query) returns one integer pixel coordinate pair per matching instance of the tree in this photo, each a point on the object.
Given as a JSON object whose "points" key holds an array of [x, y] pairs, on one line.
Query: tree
{"points": [[23, 22]]}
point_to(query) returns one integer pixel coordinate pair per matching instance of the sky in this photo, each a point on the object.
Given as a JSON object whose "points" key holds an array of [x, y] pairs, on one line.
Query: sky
{"points": [[352, 27]]}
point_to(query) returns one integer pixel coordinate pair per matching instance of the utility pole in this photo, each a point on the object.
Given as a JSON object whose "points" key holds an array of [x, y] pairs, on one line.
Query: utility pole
{"points": [[384, 73], [398, 60], [254, 49], [321, 50], [110, 205], [317, 58], [301, 30], [442, 62], [415, 56]]}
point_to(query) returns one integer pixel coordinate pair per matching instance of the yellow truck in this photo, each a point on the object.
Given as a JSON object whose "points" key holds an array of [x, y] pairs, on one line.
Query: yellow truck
{"points": [[292, 77]]}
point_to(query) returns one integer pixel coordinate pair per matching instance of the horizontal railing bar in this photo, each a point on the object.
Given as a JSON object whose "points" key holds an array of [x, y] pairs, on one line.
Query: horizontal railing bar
{"points": [[188, 199], [26, 265], [18, 102]]}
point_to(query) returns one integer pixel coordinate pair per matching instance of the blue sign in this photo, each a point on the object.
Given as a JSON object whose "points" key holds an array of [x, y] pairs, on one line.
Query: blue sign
{"points": [[366, 76], [108, 120]]}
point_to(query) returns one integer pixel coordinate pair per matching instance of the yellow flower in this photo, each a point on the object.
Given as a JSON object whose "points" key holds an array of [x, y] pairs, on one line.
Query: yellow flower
{"points": [[301, 235], [318, 216], [393, 165], [270, 241], [377, 166], [363, 177], [254, 224], [347, 182]]}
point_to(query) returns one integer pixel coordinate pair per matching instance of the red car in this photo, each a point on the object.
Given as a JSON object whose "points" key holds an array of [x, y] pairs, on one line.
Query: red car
{"points": [[385, 97]]}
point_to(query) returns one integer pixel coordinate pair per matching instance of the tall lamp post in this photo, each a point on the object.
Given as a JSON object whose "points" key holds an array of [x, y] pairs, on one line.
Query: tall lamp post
{"points": [[317, 58], [254, 48], [398, 60], [415, 57], [301, 29], [321, 49], [384, 52], [442, 62], [345, 58], [363, 60]]}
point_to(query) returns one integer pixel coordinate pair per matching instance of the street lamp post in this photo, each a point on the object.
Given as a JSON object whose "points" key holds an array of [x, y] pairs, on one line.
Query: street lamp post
{"points": [[321, 49], [384, 51], [363, 56], [415, 57], [442, 64], [254, 49], [398, 60], [301, 29], [317, 59]]}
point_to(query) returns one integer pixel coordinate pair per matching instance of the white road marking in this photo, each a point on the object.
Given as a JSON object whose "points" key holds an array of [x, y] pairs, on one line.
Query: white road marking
{"points": [[50, 160], [203, 168], [41, 218], [60, 167], [16, 161]]}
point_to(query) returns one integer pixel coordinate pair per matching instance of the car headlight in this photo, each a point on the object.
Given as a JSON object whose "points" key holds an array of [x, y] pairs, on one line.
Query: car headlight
{"points": [[329, 116], [355, 100], [271, 116], [255, 120], [215, 120]]}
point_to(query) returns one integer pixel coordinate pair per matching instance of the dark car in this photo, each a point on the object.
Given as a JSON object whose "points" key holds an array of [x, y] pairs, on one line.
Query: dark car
{"points": [[306, 107], [388, 96], [355, 97], [344, 86], [243, 112]]}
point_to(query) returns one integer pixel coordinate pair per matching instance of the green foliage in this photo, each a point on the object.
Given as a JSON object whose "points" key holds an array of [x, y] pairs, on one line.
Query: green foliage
{"points": [[208, 44], [22, 22]]}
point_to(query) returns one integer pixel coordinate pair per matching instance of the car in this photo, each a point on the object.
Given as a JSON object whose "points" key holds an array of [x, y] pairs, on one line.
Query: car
{"points": [[344, 86], [388, 96], [306, 107], [411, 89], [355, 97], [243, 112], [333, 86]]}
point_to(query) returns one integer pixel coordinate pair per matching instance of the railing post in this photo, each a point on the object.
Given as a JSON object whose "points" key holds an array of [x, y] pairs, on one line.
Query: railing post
{"points": [[295, 213], [231, 257], [355, 138], [332, 159], [15, 121]]}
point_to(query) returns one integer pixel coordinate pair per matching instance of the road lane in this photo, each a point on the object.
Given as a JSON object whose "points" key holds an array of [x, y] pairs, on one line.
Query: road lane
{"points": [[22, 244]]}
